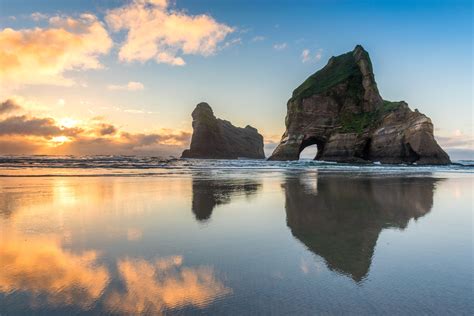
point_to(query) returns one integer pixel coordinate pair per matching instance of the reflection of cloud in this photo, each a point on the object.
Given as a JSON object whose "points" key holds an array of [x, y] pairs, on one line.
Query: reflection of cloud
{"points": [[134, 234], [41, 55], [164, 284], [42, 268], [154, 31]]}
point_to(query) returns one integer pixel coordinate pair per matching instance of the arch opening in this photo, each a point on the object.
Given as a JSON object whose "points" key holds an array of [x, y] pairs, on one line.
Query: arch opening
{"points": [[309, 152], [311, 148]]}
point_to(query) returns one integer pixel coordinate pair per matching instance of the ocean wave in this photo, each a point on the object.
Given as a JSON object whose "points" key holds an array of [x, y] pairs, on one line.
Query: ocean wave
{"points": [[37, 166]]}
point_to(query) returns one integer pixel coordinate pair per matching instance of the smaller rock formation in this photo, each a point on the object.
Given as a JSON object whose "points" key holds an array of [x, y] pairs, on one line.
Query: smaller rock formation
{"points": [[214, 138]]}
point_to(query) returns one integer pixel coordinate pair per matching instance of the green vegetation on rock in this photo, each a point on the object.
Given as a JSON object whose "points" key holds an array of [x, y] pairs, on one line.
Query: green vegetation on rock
{"points": [[339, 69], [358, 122]]}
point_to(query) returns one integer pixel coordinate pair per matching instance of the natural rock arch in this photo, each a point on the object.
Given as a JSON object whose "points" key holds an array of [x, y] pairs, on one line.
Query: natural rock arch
{"points": [[340, 109], [310, 141]]}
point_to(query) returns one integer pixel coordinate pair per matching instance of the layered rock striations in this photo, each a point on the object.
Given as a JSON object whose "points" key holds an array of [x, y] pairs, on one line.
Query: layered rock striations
{"points": [[214, 138], [339, 109]]}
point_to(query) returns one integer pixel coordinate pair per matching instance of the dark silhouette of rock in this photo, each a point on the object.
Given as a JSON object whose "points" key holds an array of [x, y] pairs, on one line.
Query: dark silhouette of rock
{"points": [[209, 193], [214, 138], [339, 109], [340, 218]]}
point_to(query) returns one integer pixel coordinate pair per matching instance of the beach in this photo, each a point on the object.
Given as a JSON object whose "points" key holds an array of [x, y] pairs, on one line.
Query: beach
{"points": [[123, 235]]}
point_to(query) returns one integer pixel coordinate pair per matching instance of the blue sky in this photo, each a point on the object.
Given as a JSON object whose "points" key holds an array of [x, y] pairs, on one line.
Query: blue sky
{"points": [[421, 52]]}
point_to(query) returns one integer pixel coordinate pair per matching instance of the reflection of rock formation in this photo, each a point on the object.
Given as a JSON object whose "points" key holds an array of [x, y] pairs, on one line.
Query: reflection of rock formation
{"points": [[154, 287], [208, 193], [341, 222], [40, 267]]}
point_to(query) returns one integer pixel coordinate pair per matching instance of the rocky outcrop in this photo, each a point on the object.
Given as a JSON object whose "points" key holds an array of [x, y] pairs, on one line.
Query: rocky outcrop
{"points": [[214, 138], [339, 109]]}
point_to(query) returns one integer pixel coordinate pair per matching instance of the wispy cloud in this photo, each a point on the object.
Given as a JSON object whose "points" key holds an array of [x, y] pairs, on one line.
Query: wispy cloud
{"points": [[258, 38], [130, 86], [280, 46], [233, 42], [37, 16], [157, 32], [306, 55]]}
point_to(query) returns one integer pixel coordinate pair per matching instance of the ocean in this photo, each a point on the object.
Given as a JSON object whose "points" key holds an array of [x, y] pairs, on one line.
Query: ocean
{"points": [[122, 235]]}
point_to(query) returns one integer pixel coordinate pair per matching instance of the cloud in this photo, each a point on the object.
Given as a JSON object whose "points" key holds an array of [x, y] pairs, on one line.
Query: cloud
{"points": [[154, 287], [306, 55], [9, 106], [233, 42], [155, 32], [457, 140], [280, 46], [460, 146], [107, 129], [23, 125], [25, 134], [37, 16], [42, 55], [130, 86], [258, 38]]}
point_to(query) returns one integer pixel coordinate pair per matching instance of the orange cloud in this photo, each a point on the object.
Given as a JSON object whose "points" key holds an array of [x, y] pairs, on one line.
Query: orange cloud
{"points": [[153, 287], [25, 134], [156, 32], [42, 55], [9, 105], [40, 267]]}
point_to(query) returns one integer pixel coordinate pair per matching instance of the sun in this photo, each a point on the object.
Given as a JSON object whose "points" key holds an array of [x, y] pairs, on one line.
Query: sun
{"points": [[59, 140]]}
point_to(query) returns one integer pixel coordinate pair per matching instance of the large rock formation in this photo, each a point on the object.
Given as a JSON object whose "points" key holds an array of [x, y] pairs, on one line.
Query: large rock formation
{"points": [[339, 109], [214, 138]]}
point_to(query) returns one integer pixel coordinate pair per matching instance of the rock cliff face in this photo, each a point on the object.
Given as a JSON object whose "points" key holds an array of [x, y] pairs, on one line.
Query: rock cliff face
{"points": [[214, 138], [339, 109]]}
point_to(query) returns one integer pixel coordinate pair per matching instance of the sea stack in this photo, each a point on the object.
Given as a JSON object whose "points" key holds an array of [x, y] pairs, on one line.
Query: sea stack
{"points": [[339, 109], [214, 138]]}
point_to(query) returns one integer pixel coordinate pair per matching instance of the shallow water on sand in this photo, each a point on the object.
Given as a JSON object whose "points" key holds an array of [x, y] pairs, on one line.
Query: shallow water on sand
{"points": [[236, 238]]}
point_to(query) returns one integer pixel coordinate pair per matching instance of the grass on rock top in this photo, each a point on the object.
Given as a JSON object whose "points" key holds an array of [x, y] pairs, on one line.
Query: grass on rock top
{"points": [[341, 68]]}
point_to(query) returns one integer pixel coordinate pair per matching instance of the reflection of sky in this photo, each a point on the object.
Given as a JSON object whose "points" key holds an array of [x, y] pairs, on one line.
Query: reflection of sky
{"points": [[133, 245]]}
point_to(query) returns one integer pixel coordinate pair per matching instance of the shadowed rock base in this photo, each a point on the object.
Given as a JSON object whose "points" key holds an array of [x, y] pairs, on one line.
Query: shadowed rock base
{"points": [[340, 110]]}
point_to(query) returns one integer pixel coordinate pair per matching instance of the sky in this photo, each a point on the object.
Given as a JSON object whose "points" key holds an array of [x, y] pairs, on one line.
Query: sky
{"points": [[122, 77]]}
